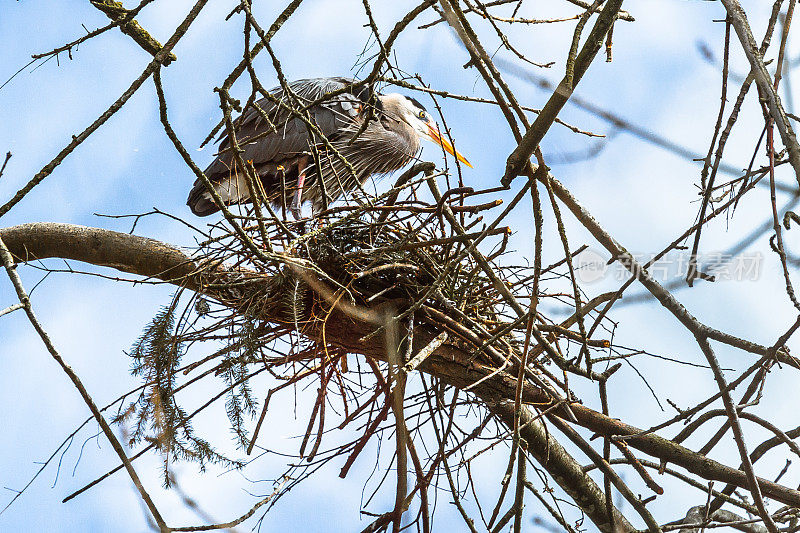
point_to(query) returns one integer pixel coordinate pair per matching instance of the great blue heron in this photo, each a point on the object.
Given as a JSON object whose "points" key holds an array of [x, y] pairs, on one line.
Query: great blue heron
{"points": [[280, 147]]}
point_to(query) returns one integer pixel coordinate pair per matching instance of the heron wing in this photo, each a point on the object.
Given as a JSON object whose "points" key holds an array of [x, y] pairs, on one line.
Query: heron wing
{"points": [[268, 133]]}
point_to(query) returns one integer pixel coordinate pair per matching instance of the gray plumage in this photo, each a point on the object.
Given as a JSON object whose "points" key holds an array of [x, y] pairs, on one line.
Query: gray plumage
{"points": [[280, 147]]}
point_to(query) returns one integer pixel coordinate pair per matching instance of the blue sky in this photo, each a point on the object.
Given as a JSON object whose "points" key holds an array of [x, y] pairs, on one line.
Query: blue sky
{"points": [[642, 195]]}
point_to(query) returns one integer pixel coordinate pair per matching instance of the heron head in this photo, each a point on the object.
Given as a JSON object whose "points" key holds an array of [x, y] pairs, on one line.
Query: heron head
{"points": [[415, 115]]}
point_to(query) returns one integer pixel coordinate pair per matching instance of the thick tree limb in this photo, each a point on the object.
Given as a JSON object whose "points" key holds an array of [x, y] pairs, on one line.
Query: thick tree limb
{"points": [[155, 259]]}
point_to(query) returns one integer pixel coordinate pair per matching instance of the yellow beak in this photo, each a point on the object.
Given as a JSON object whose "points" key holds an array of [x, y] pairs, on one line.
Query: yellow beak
{"points": [[444, 143]]}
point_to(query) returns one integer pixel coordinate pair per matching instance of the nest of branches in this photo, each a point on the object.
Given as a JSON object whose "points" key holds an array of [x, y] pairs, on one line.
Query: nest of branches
{"points": [[417, 254], [411, 260]]}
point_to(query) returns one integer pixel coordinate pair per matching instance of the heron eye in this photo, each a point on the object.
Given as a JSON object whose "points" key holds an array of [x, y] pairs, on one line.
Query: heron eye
{"points": [[421, 115]]}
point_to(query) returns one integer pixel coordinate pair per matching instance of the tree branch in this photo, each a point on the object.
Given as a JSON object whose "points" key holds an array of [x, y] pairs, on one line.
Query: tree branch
{"points": [[116, 12], [519, 157], [763, 80]]}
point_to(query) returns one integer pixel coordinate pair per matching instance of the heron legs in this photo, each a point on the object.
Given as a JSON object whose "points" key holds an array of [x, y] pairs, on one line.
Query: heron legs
{"points": [[302, 166]]}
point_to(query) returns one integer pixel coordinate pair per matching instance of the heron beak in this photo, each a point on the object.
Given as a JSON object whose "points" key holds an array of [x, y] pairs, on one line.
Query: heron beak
{"points": [[444, 143]]}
